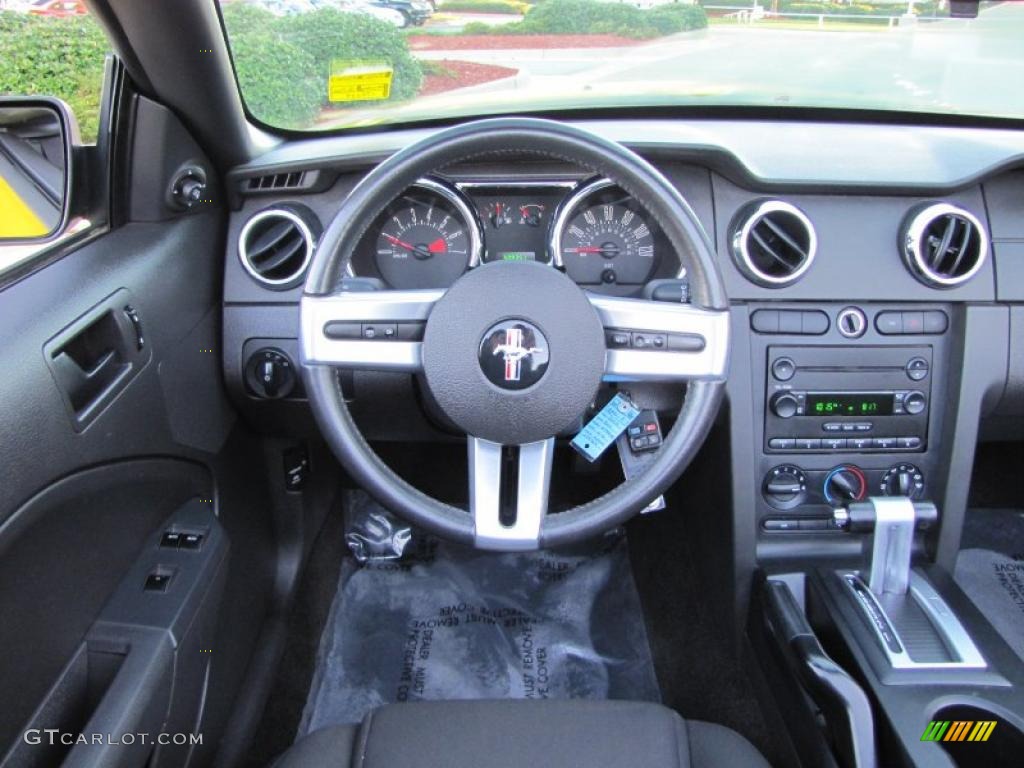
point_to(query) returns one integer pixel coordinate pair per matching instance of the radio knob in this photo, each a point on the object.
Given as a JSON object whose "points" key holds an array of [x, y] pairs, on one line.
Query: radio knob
{"points": [[845, 483], [914, 403], [785, 405], [903, 480]]}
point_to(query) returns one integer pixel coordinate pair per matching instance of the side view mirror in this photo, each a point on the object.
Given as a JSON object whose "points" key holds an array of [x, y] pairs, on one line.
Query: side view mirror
{"points": [[37, 140]]}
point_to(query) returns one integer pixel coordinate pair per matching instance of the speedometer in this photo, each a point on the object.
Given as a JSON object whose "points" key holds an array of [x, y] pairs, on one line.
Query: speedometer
{"points": [[603, 236], [426, 238]]}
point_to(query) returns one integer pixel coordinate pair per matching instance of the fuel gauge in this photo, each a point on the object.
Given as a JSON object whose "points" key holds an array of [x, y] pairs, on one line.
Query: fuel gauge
{"points": [[532, 215], [499, 214]]}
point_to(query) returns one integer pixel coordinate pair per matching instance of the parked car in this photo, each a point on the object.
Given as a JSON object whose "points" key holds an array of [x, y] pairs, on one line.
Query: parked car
{"points": [[388, 15], [59, 8], [415, 12]]}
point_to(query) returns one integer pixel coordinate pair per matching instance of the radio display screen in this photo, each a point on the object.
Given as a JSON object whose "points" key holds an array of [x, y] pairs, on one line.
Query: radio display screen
{"points": [[858, 404]]}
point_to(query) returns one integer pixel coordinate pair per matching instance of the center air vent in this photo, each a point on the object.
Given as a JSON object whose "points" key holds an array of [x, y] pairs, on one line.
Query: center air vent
{"points": [[773, 243], [944, 245], [276, 244]]}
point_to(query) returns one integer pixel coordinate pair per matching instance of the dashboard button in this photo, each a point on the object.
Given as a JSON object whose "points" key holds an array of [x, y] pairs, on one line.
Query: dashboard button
{"points": [[618, 339], [815, 524], [860, 443], [833, 426], [814, 322], [913, 322], [777, 524], [935, 321], [765, 321], [885, 443], [908, 442], [341, 330], [686, 342], [863, 426], [649, 341], [808, 443], [782, 443], [834, 443], [917, 368], [889, 323], [783, 369], [791, 321]]}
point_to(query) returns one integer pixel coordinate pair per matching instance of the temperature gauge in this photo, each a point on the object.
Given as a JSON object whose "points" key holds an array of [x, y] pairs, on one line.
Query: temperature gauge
{"points": [[531, 215], [499, 214]]}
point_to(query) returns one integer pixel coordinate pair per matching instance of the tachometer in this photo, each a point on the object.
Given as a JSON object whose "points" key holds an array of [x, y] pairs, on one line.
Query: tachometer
{"points": [[427, 238], [603, 236]]}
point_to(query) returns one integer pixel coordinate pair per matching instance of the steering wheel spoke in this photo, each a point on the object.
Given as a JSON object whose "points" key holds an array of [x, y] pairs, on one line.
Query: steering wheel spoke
{"points": [[372, 330], [508, 492], [659, 341]]}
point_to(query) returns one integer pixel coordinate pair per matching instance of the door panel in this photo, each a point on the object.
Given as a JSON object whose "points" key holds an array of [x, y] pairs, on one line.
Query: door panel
{"points": [[100, 441]]}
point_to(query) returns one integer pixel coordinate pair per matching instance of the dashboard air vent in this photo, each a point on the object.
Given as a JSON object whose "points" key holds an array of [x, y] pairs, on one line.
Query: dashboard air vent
{"points": [[276, 245], [773, 243], [943, 245], [275, 182]]}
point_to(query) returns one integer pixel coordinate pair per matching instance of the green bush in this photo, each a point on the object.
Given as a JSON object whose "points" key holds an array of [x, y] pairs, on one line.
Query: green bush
{"points": [[590, 17], [485, 6], [328, 34], [60, 57], [291, 92]]}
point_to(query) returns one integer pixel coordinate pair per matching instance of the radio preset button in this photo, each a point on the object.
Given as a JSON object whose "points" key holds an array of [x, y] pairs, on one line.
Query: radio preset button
{"points": [[884, 443], [782, 443], [808, 443], [860, 443], [908, 442], [834, 443]]}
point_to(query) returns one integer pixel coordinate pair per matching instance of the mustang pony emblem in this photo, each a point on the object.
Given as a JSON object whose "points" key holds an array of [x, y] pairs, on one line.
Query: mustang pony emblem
{"points": [[513, 352]]}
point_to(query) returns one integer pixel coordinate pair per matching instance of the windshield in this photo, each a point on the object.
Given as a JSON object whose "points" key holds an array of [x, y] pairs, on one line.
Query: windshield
{"points": [[330, 64]]}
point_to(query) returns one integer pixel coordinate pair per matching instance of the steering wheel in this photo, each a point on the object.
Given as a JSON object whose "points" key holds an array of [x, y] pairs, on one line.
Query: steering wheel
{"points": [[511, 312]]}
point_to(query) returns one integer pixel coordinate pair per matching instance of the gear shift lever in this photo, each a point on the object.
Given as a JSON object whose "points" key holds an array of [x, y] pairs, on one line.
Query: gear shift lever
{"points": [[893, 520]]}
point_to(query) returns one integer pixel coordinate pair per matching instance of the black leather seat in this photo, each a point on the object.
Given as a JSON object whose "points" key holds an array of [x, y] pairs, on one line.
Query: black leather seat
{"points": [[517, 734]]}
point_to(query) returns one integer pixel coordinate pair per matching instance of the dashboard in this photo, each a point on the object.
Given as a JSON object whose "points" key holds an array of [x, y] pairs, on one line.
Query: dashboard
{"points": [[877, 292], [589, 228]]}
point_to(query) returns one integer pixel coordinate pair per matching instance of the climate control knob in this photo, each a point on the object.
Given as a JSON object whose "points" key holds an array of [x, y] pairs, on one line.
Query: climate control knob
{"points": [[785, 405], [785, 486], [903, 480], [845, 483]]}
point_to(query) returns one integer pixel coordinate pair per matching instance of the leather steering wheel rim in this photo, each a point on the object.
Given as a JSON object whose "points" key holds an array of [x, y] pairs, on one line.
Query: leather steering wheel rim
{"points": [[555, 141]]}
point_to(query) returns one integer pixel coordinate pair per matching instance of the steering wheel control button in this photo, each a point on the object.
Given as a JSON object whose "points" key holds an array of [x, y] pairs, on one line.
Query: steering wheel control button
{"points": [[604, 429], [783, 369], [619, 339], [851, 322], [514, 354]]}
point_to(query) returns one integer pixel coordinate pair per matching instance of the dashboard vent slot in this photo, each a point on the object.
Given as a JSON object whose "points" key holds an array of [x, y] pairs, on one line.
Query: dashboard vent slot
{"points": [[276, 245], [943, 245], [274, 182], [773, 243]]}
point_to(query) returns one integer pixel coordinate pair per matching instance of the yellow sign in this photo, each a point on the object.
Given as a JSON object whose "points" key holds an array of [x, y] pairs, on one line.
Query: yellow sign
{"points": [[359, 81]]}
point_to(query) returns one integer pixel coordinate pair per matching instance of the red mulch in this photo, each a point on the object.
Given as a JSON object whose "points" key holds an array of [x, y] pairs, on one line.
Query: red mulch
{"points": [[502, 42], [462, 73]]}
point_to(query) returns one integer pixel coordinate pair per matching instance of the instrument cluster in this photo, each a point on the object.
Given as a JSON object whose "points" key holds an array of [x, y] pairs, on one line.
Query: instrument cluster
{"points": [[595, 232]]}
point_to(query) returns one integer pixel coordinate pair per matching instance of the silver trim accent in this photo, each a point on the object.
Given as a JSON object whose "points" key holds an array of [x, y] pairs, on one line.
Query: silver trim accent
{"points": [[567, 208], [941, 616], [741, 252], [893, 540], [914, 258], [461, 204], [516, 184], [485, 494], [315, 312], [664, 317], [243, 251]]}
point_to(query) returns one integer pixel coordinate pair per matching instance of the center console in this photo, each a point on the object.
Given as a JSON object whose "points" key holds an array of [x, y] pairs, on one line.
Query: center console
{"points": [[844, 398]]}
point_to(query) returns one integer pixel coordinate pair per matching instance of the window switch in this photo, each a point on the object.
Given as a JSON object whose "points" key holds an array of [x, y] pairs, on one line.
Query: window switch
{"points": [[191, 540], [158, 580], [171, 539]]}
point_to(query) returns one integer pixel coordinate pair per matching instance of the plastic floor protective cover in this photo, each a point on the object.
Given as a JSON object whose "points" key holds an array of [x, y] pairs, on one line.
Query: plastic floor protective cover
{"points": [[448, 622]]}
